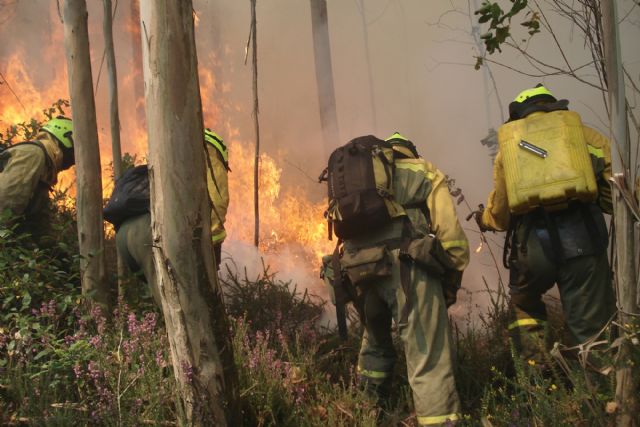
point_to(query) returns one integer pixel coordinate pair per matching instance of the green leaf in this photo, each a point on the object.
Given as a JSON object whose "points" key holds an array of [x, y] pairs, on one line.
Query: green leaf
{"points": [[41, 354]]}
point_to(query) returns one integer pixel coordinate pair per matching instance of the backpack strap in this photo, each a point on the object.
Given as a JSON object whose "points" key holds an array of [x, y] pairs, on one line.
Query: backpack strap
{"points": [[406, 262], [38, 144], [340, 294]]}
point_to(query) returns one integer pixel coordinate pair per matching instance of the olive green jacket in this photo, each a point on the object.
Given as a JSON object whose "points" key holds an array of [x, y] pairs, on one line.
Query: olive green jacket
{"points": [[27, 175]]}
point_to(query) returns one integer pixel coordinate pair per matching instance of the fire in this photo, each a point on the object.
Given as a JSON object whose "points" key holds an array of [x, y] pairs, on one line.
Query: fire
{"points": [[288, 219]]}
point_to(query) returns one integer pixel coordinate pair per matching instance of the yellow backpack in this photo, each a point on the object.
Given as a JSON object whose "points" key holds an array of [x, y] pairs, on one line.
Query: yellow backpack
{"points": [[546, 162]]}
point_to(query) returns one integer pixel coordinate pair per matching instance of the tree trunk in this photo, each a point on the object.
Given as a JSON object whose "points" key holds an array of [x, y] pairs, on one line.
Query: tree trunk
{"points": [[256, 110], [87, 153], [114, 115], [324, 74], [367, 53], [626, 374], [201, 349]]}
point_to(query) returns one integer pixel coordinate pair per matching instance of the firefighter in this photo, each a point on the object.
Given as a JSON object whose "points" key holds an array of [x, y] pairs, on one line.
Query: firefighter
{"points": [[565, 245], [133, 224], [28, 171], [218, 186], [413, 294]]}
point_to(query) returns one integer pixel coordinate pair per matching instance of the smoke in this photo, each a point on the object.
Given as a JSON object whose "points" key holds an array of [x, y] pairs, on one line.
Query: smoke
{"points": [[424, 86]]}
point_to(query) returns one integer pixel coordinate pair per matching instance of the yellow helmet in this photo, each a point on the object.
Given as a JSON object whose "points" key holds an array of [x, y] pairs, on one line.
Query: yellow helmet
{"points": [[62, 129], [534, 94]]}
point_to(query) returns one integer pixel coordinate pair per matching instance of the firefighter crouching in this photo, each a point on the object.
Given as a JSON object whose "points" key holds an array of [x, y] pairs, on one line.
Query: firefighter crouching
{"points": [[128, 210], [405, 268], [28, 171], [550, 191]]}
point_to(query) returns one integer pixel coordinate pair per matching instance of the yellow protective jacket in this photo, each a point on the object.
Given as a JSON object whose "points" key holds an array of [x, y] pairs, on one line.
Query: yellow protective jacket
{"points": [[410, 190], [218, 186], [496, 215], [27, 175]]}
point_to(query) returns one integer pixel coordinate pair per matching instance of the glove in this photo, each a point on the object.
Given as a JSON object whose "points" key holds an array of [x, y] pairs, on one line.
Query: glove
{"points": [[477, 215]]}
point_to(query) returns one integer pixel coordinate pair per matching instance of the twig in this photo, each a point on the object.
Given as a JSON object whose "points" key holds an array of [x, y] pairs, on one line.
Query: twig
{"points": [[11, 89]]}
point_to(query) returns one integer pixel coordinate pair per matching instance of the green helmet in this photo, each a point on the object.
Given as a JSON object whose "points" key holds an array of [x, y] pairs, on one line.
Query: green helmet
{"points": [[62, 129], [214, 139]]}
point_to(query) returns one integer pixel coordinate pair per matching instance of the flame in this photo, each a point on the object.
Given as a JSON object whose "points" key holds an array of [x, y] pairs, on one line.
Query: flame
{"points": [[288, 219]]}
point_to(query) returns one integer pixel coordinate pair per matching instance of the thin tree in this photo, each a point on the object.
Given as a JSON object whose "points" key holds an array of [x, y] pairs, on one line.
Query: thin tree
{"points": [[626, 374], [87, 153], [195, 319], [114, 115], [324, 74], [256, 121], [367, 53], [112, 71]]}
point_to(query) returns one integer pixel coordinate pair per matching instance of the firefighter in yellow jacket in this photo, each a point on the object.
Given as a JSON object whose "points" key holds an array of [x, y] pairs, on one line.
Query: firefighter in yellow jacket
{"points": [[133, 235], [419, 305], [218, 186], [28, 170], [565, 245]]}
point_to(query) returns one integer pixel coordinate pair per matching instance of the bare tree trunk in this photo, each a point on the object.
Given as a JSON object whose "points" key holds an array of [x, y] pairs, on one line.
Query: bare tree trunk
{"points": [[256, 110], [626, 375], [201, 349], [113, 89], [367, 52], [87, 153], [114, 115], [324, 74]]}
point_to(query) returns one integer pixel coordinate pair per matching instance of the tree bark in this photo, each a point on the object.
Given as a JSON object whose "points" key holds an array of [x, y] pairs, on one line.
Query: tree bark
{"points": [[87, 153], [114, 115], [113, 89], [256, 110], [626, 375], [201, 349], [367, 53], [324, 74]]}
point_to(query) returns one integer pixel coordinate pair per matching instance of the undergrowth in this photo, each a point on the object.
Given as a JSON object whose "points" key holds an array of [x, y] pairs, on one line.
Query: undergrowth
{"points": [[62, 363]]}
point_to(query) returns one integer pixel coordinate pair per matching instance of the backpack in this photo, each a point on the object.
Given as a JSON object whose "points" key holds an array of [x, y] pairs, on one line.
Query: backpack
{"points": [[360, 187], [546, 162], [130, 196]]}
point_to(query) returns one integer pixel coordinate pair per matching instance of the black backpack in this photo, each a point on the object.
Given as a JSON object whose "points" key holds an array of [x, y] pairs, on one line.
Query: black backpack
{"points": [[360, 187], [130, 196]]}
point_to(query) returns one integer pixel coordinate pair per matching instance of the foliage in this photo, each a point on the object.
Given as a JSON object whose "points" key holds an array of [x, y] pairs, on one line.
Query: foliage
{"points": [[499, 22], [25, 131]]}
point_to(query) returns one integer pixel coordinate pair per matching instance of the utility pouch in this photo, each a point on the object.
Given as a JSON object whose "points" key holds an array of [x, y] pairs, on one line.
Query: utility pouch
{"points": [[365, 265], [428, 253], [327, 276]]}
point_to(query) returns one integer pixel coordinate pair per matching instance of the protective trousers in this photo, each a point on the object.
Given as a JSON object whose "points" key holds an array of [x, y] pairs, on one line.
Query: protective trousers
{"points": [[585, 289], [133, 241], [426, 338]]}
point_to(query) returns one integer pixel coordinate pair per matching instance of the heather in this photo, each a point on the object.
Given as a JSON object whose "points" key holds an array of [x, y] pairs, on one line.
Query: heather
{"points": [[63, 362]]}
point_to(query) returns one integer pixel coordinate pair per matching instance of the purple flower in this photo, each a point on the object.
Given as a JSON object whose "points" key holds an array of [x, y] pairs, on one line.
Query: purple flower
{"points": [[187, 370]]}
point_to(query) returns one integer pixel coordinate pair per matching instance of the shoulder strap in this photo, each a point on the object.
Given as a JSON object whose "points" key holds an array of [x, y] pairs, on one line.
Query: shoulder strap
{"points": [[38, 144]]}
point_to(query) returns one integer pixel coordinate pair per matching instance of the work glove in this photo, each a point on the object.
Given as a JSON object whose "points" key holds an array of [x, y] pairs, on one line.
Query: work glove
{"points": [[477, 215]]}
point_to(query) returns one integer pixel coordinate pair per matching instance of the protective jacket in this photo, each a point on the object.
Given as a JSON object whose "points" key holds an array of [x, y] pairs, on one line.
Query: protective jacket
{"points": [[218, 186], [422, 190], [28, 171]]}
